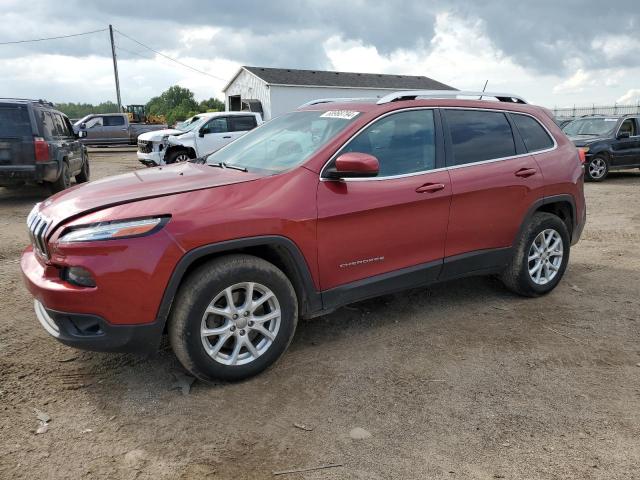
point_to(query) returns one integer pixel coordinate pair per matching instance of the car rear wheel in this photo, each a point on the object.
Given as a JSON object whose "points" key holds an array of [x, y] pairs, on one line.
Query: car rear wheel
{"points": [[233, 317], [85, 173], [540, 256], [64, 180], [597, 169]]}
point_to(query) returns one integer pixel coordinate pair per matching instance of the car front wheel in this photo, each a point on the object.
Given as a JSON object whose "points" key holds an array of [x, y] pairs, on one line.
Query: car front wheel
{"points": [[233, 317], [540, 256]]}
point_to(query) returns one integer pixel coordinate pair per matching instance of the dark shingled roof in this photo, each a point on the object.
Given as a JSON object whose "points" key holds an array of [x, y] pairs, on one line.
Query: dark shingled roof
{"points": [[289, 76]]}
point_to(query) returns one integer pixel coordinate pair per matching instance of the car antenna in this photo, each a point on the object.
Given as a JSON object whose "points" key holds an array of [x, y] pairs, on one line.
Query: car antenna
{"points": [[484, 88]]}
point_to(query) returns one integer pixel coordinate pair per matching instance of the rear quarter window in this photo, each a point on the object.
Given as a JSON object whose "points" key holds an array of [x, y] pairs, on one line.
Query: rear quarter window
{"points": [[533, 134], [14, 121], [478, 135]]}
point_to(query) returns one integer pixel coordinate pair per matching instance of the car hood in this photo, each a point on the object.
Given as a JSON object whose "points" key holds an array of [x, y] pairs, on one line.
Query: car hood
{"points": [[156, 135], [583, 140], [137, 185]]}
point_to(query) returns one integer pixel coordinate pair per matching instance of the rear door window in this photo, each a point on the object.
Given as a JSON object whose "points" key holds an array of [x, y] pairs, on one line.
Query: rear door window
{"points": [[48, 124], [60, 127], [113, 121], [533, 134], [242, 124], [14, 121], [478, 135]]}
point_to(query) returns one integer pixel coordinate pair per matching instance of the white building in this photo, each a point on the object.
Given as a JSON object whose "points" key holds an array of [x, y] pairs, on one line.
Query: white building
{"points": [[274, 91]]}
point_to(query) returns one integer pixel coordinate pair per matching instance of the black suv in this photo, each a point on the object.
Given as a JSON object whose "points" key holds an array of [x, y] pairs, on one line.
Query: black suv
{"points": [[609, 143], [38, 145]]}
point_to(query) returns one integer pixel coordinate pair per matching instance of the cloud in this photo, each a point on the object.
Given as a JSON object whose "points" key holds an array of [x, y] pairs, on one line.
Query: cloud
{"points": [[631, 97], [547, 50]]}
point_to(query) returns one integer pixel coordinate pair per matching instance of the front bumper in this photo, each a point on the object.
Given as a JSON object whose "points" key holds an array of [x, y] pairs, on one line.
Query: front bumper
{"points": [[151, 159], [90, 332]]}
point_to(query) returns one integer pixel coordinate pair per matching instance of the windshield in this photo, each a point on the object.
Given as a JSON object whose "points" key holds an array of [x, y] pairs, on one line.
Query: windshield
{"points": [[590, 126], [192, 123], [284, 142]]}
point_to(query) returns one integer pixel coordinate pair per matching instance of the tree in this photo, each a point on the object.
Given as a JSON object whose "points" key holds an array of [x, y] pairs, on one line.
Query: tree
{"points": [[176, 103], [79, 110], [212, 105]]}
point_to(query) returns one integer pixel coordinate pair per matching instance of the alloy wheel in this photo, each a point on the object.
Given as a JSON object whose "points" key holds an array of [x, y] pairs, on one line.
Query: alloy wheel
{"points": [[597, 168], [240, 323], [545, 256]]}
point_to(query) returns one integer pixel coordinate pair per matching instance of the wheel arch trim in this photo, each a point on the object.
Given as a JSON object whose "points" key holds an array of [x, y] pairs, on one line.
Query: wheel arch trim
{"points": [[303, 281]]}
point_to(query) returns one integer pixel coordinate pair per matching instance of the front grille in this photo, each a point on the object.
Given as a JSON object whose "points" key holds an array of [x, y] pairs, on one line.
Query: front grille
{"points": [[144, 146], [38, 226]]}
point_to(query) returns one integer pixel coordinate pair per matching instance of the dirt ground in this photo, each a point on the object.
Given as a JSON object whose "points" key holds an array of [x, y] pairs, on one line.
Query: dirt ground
{"points": [[461, 380]]}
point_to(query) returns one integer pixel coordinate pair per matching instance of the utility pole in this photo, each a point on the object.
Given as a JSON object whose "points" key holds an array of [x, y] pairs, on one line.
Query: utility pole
{"points": [[115, 67]]}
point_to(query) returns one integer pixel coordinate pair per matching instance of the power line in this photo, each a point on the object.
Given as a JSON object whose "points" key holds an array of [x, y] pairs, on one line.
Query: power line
{"points": [[53, 38], [170, 58]]}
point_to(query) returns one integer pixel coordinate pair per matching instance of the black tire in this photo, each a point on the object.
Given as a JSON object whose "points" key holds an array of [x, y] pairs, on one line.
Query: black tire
{"points": [[596, 169], [64, 180], [516, 276], [85, 173], [177, 156], [197, 293]]}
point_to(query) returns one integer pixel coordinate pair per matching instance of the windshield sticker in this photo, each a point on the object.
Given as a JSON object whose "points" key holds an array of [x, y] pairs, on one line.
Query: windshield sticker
{"points": [[345, 114]]}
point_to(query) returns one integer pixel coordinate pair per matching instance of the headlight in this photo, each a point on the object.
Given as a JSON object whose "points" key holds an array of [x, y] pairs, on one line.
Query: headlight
{"points": [[584, 149], [113, 230]]}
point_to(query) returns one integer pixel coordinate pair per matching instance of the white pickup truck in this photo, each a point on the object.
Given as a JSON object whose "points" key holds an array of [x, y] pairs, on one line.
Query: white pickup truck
{"points": [[200, 135]]}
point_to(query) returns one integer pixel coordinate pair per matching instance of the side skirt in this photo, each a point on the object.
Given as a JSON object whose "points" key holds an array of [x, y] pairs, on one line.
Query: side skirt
{"points": [[484, 262]]}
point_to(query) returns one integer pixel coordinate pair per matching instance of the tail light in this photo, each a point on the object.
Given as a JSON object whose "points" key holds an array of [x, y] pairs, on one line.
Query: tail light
{"points": [[42, 149], [582, 155]]}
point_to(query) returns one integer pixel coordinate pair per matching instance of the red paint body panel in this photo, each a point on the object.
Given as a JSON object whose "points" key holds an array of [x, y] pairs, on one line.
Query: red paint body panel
{"points": [[489, 203], [383, 220]]}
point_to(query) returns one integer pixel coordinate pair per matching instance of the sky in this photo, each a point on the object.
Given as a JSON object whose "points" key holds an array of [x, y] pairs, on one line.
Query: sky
{"points": [[554, 53]]}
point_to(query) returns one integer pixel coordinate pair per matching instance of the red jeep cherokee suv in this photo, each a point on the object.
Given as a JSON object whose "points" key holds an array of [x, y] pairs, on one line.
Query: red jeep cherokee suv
{"points": [[336, 202]]}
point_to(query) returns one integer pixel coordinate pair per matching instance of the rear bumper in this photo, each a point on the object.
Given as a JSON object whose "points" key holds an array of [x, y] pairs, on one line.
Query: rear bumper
{"points": [[90, 332], [40, 172]]}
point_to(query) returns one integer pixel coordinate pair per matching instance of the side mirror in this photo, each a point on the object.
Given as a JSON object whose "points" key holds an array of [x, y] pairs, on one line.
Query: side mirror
{"points": [[82, 134], [83, 126], [354, 165], [622, 135], [201, 132]]}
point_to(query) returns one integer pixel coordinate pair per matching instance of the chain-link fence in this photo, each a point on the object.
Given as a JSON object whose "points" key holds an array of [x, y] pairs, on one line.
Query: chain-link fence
{"points": [[574, 112]]}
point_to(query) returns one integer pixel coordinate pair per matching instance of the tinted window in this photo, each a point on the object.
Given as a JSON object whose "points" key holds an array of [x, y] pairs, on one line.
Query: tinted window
{"points": [[216, 125], [48, 125], [242, 124], [403, 142], [113, 121], [14, 121], [60, 127], [533, 134], [479, 135]]}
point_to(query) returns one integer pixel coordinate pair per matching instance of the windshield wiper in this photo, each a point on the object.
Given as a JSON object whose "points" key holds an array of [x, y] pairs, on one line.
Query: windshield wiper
{"points": [[224, 165]]}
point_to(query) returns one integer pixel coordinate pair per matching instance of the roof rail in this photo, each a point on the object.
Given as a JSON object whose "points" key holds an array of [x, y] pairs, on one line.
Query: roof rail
{"points": [[413, 94], [31, 100], [337, 100]]}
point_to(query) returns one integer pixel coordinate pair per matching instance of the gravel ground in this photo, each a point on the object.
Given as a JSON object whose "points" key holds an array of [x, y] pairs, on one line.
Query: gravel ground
{"points": [[461, 380]]}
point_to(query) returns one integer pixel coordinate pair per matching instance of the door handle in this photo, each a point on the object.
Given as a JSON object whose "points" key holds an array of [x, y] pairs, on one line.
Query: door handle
{"points": [[124, 129], [227, 136], [430, 188], [525, 172]]}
